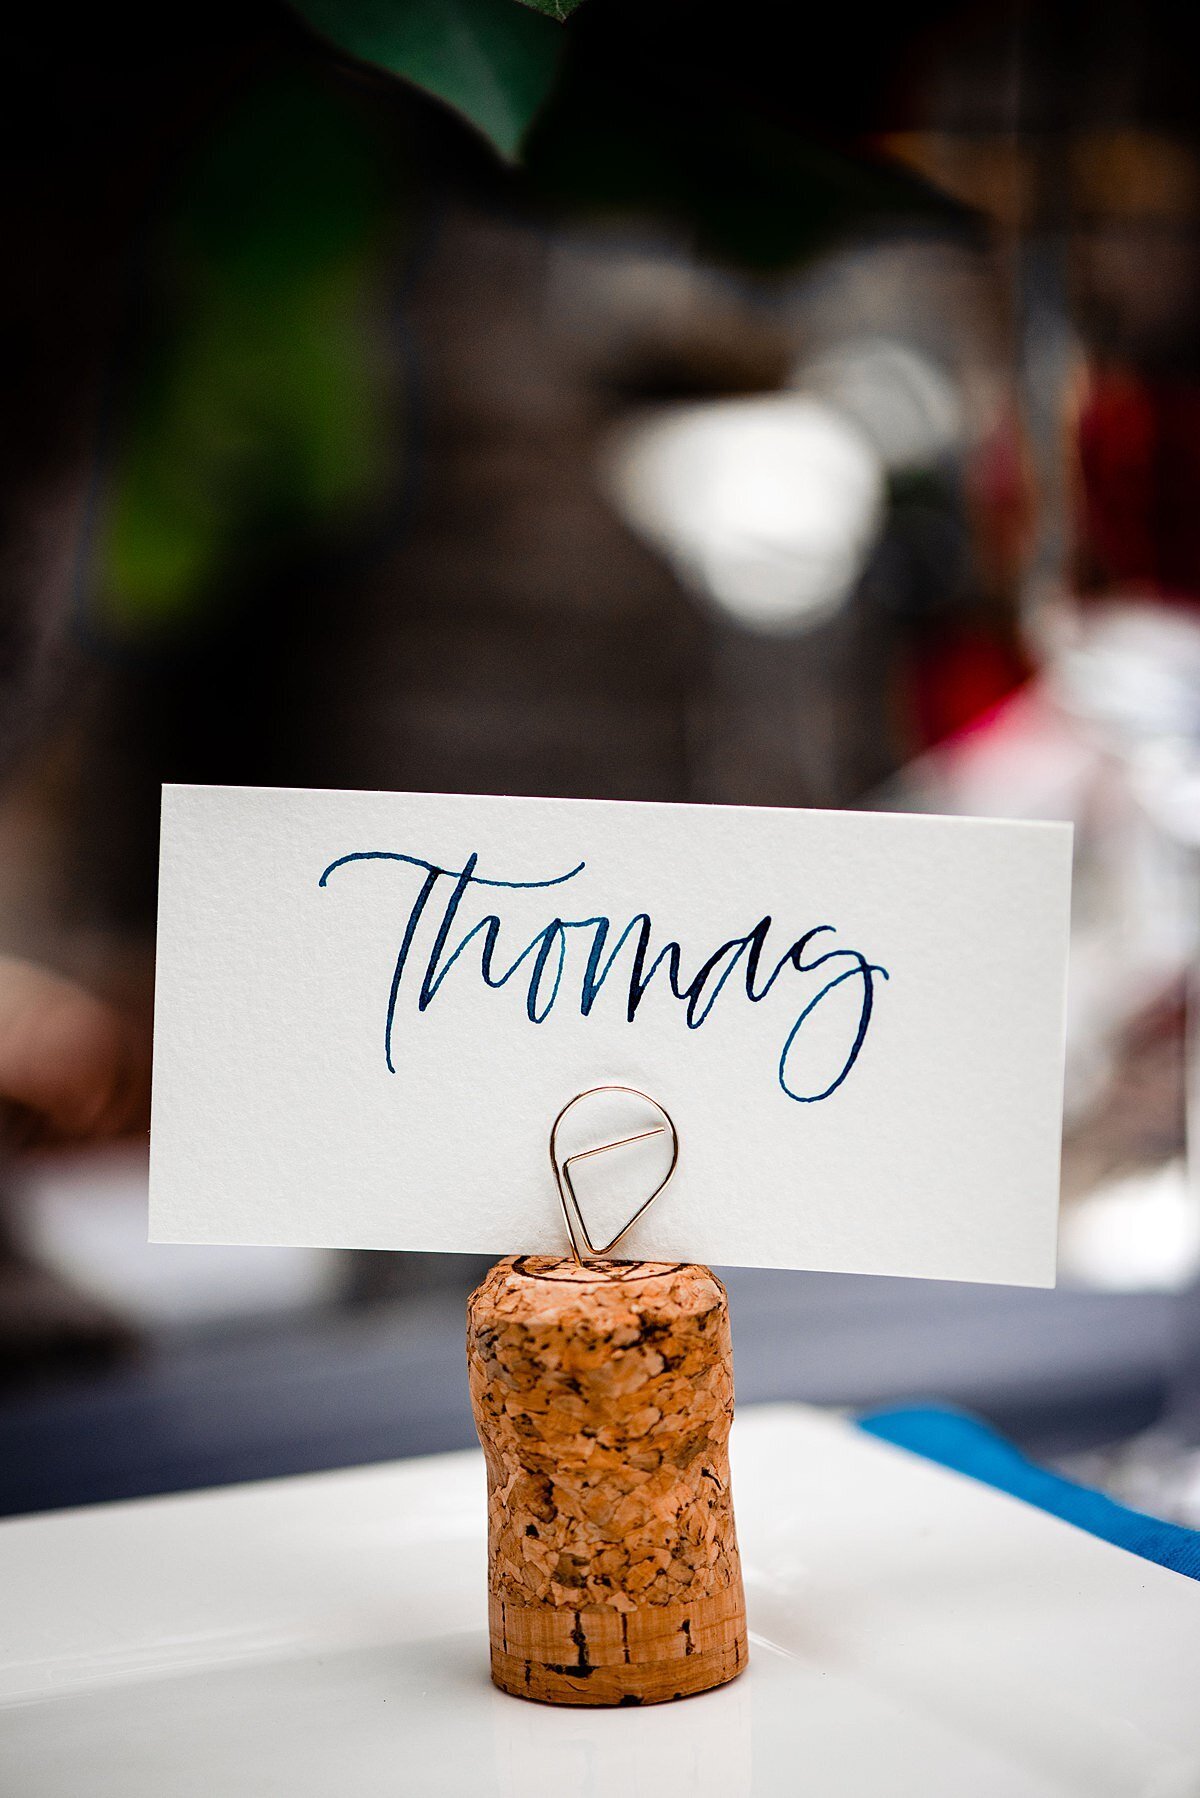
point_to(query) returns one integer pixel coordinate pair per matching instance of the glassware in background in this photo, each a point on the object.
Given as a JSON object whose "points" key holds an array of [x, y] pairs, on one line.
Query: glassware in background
{"points": [[1092, 187], [1095, 187]]}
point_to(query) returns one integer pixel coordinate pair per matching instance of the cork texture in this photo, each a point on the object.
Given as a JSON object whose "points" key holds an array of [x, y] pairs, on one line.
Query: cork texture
{"points": [[603, 1395]]}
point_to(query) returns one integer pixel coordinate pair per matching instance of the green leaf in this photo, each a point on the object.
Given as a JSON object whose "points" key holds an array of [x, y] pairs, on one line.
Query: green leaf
{"points": [[554, 9], [492, 61]]}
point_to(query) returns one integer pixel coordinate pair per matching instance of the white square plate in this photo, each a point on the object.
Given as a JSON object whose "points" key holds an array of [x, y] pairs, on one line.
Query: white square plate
{"points": [[912, 1633]]}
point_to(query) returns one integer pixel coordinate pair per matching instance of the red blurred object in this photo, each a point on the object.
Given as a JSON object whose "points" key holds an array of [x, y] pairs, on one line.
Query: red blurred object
{"points": [[958, 681], [1139, 492]]}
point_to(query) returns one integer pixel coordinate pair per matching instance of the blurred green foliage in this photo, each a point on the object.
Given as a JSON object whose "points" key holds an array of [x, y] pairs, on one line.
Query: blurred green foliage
{"points": [[257, 416], [253, 414]]}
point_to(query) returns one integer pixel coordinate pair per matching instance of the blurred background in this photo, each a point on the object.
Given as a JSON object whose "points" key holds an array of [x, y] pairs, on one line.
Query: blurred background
{"points": [[660, 402]]}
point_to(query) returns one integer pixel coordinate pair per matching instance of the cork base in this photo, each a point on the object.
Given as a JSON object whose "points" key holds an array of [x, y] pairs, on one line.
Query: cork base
{"points": [[603, 1394], [607, 1657]]}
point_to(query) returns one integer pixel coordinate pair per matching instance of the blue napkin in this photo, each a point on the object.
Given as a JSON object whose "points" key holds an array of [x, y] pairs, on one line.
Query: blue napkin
{"points": [[969, 1446]]}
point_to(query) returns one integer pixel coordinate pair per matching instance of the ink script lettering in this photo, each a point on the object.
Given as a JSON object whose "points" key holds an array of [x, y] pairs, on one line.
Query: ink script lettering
{"points": [[590, 961]]}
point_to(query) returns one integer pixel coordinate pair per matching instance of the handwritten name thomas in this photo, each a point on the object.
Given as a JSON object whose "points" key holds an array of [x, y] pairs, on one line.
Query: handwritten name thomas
{"points": [[571, 961]]}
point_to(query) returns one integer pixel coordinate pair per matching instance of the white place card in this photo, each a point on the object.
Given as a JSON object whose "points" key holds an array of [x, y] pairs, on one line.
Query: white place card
{"points": [[372, 1006]]}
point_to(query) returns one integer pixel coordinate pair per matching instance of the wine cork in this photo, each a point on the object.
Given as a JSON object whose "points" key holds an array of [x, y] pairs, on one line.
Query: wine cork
{"points": [[603, 1395]]}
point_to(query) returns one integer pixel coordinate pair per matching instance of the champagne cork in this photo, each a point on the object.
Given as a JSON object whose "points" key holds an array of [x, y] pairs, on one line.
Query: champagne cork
{"points": [[603, 1395]]}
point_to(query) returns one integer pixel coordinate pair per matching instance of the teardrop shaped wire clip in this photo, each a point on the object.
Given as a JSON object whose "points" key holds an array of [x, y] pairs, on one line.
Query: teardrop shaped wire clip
{"points": [[577, 1229]]}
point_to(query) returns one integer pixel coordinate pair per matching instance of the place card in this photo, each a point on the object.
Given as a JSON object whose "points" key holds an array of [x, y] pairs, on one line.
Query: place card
{"points": [[371, 1008]]}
